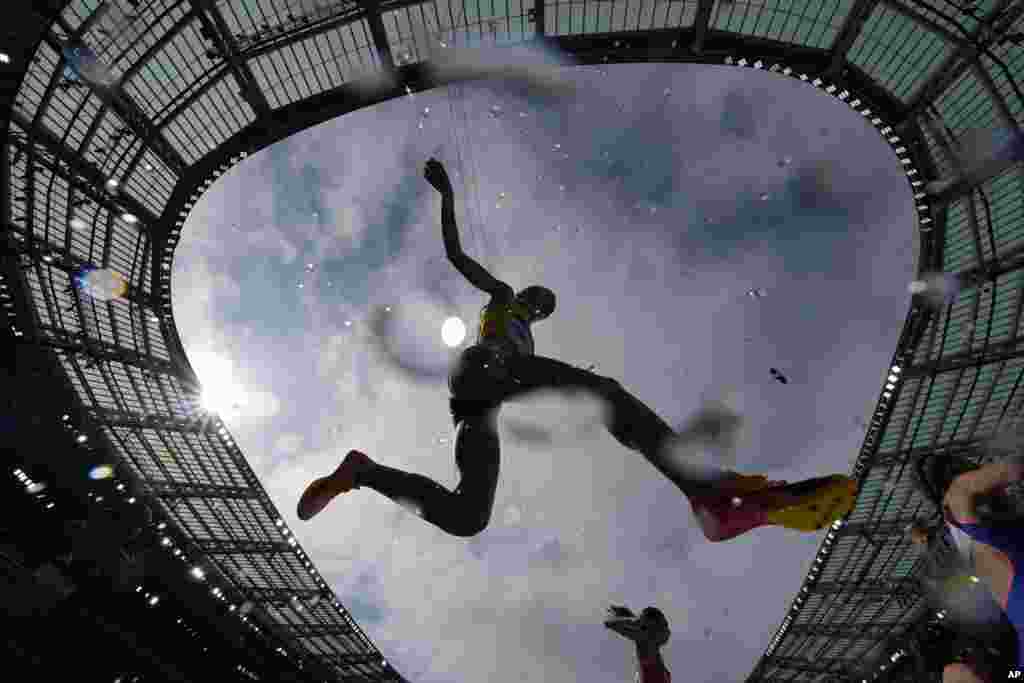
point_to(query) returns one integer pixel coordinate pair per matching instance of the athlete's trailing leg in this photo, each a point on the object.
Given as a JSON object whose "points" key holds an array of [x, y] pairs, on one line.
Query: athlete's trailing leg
{"points": [[726, 503]]}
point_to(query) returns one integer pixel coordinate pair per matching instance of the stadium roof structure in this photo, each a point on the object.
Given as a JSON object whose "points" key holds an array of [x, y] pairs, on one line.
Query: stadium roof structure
{"points": [[119, 115]]}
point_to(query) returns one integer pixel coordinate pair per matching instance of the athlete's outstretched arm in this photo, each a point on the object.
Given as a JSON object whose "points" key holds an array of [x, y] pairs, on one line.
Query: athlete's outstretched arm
{"points": [[470, 269]]}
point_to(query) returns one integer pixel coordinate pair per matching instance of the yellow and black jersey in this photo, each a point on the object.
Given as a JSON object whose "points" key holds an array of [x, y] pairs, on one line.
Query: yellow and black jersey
{"points": [[506, 323]]}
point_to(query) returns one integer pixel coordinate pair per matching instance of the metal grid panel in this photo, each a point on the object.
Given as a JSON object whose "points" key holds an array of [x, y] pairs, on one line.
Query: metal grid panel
{"points": [[180, 457], [105, 149], [1006, 196], [1013, 58], [310, 66], [50, 219], [959, 251], [944, 11], [416, 31], [813, 24], [254, 20], [897, 52], [87, 111], [212, 118], [36, 82], [582, 17], [124, 38], [179, 66], [978, 317], [937, 151], [151, 184], [71, 115], [966, 105]]}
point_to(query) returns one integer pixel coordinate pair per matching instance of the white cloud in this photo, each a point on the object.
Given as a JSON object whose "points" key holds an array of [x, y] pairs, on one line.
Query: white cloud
{"points": [[288, 444]]}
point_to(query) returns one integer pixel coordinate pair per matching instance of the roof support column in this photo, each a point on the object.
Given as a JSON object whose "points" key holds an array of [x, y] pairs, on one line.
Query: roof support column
{"points": [[379, 34]]}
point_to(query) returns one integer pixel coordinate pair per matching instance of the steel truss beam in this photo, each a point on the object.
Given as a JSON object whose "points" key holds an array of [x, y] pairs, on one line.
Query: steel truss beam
{"points": [[82, 175], [961, 60], [988, 271], [819, 665], [870, 630], [218, 31], [277, 596], [882, 530], [539, 18], [169, 35], [316, 630], [939, 133], [700, 25], [124, 418], [236, 546], [992, 353], [371, 8], [851, 30], [881, 587], [351, 659], [130, 113], [251, 51], [68, 262], [63, 341], [181, 489], [906, 455], [960, 41]]}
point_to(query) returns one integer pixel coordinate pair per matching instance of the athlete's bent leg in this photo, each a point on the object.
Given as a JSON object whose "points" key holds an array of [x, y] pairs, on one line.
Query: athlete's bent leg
{"points": [[464, 512], [726, 503], [632, 423]]}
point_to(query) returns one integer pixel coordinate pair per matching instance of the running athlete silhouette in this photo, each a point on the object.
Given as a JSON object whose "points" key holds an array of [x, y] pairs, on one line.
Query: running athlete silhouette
{"points": [[502, 365]]}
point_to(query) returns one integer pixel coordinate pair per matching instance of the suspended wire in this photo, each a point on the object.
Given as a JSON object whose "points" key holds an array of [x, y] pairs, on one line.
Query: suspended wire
{"points": [[461, 120], [472, 179]]}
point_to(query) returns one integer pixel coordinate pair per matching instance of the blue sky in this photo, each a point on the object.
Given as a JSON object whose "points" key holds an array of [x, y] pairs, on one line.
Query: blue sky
{"points": [[673, 190]]}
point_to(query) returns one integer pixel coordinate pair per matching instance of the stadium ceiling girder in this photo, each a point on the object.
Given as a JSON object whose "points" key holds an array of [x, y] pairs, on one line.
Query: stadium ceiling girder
{"points": [[124, 418], [907, 586], [378, 34], [962, 58], [181, 490], [62, 341], [817, 665], [700, 24], [316, 630], [234, 546], [877, 531], [960, 447], [82, 175], [851, 630], [990, 354], [129, 113], [213, 22], [939, 132], [350, 659], [852, 27], [277, 596]]}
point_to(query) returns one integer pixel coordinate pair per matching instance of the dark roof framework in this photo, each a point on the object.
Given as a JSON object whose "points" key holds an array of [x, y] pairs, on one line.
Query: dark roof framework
{"points": [[185, 89]]}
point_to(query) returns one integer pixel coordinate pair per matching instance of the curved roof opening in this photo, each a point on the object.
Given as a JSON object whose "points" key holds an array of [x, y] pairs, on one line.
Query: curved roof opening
{"points": [[700, 226]]}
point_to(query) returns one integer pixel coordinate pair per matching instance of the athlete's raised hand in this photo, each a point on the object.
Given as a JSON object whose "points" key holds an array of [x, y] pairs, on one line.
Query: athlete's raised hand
{"points": [[437, 176], [649, 629]]}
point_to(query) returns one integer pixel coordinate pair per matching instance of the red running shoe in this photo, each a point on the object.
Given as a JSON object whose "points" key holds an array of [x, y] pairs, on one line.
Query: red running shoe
{"points": [[323, 490], [807, 505]]}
